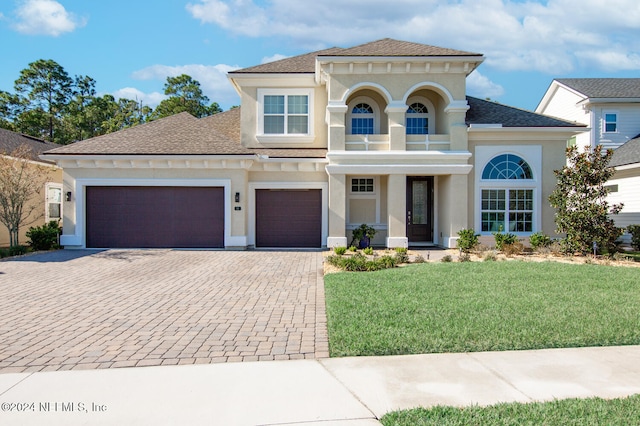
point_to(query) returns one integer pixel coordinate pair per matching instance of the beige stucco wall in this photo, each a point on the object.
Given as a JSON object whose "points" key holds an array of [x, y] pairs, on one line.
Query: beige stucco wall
{"points": [[37, 218]]}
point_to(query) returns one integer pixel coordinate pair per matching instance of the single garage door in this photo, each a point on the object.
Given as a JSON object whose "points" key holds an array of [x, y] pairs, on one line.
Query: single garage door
{"points": [[288, 218], [154, 217]]}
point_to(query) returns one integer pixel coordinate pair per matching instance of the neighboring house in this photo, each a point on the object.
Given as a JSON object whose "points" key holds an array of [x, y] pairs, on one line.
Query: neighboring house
{"points": [[611, 109], [50, 197], [382, 133]]}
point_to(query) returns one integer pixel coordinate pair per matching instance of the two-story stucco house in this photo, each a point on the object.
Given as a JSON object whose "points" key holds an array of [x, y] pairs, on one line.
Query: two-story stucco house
{"points": [[382, 133], [610, 107]]}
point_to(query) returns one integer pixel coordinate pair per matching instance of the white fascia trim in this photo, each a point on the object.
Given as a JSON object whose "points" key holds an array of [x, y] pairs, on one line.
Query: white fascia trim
{"points": [[263, 158], [589, 101], [399, 155], [397, 59], [133, 157], [399, 169], [490, 128], [627, 166], [251, 204], [79, 186]]}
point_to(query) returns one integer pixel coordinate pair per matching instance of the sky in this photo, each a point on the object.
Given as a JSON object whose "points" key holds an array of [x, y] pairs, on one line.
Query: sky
{"points": [[131, 47]]}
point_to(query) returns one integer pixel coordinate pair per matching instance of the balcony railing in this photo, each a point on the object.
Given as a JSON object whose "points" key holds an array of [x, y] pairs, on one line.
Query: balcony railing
{"points": [[367, 142], [381, 142]]}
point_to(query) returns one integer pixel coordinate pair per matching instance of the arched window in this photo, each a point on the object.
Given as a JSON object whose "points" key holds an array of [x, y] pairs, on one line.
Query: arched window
{"points": [[417, 119], [509, 207], [362, 119], [507, 166]]}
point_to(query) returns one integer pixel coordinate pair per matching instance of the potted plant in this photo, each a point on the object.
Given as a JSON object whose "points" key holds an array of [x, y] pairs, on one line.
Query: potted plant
{"points": [[363, 234]]}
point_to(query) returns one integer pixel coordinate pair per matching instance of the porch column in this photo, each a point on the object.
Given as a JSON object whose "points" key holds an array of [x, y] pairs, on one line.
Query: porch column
{"points": [[397, 130], [455, 215], [459, 138], [335, 119], [397, 210], [337, 211]]}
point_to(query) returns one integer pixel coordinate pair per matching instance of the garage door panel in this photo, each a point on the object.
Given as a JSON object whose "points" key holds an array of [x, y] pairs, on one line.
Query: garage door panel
{"points": [[289, 218], [155, 217]]}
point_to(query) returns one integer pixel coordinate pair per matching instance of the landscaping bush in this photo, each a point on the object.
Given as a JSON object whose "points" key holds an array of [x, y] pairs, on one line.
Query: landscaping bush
{"points": [[490, 256], [358, 262], [353, 249], [368, 251], [401, 255], [539, 240], [634, 230], [339, 250], [44, 237], [418, 259], [503, 239], [468, 240], [17, 250], [446, 258], [4, 253], [464, 257]]}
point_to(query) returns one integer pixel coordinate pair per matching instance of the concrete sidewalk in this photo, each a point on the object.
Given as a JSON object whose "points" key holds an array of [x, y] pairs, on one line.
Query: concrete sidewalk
{"points": [[341, 391]]}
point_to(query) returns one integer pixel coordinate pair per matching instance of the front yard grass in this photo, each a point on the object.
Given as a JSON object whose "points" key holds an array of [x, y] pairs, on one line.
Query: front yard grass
{"points": [[593, 411], [481, 306]]}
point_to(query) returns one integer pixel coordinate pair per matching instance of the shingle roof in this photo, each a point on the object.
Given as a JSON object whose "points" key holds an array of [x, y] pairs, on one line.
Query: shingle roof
{"points": [[391, 47], [604, 87], [629, 153], [305, 64], [9, 141], [180, 134], [489, 112]]}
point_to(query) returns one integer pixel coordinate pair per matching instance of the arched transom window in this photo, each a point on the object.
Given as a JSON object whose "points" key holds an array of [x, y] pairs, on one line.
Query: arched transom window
{"points": [[508, 207], [417, 119], [507, 166], [362, 119]]}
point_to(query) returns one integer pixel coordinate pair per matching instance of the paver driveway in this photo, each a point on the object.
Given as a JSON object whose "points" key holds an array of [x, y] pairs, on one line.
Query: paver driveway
{"points": [[122, 308]]}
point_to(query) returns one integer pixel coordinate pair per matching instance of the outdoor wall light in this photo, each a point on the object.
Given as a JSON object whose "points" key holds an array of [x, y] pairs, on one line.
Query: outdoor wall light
{"points": [[68, 196], [237, 197]]}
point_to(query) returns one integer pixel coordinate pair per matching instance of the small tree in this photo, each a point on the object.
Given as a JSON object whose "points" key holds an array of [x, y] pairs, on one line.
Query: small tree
{"points": [[580, 200], [21, 181]]}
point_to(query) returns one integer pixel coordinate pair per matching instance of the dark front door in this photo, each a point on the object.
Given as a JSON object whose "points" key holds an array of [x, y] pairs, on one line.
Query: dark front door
{"points": [[420, 209]]}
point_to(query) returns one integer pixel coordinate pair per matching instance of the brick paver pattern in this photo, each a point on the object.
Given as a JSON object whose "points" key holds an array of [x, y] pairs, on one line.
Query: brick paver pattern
{"points": [[69, 310]]}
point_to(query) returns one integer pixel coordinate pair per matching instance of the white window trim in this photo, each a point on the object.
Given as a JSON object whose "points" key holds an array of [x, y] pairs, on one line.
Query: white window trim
{"points": [[506, 211], [532, 154], [604, 120], [376, 112], [430, 116], [49, 186], [375, 195], [285, 137]]}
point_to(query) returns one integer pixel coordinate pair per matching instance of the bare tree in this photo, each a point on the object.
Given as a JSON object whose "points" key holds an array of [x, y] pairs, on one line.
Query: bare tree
{"points": [[22, 180]]}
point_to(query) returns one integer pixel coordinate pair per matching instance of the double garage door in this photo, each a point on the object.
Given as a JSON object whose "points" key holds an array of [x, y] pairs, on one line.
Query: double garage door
{"points": [[193, 217]]}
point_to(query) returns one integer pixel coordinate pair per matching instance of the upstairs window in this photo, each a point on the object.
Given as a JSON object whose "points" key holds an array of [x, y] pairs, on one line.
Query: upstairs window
{"points": [[417, 119], [610, 122], [362, 120], [285, 115]]}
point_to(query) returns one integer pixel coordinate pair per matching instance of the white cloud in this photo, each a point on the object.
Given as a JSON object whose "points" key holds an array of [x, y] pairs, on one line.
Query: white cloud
{"points": [[273, 58], [480, 86], [212, 78], [45, 17], [151, 99], [552, 36]]}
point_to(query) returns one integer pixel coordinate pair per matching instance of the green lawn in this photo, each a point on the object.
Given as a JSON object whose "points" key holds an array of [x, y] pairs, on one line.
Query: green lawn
{"points": [[481, 306], [595, 411]]}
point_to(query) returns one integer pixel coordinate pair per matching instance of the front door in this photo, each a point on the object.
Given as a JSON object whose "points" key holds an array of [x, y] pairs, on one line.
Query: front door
{"points": [[420, 209]]}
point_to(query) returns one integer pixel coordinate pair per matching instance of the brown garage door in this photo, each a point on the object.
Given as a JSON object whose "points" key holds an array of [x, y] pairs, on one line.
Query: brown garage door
{"points": [[154, 217], [288, 218]]}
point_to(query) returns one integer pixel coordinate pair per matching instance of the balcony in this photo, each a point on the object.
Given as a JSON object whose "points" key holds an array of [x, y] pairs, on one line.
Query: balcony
{"points": [[381, 142]]}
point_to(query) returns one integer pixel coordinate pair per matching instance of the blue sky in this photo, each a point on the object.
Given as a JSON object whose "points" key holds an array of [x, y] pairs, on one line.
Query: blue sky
{"points": [[130, 47]]}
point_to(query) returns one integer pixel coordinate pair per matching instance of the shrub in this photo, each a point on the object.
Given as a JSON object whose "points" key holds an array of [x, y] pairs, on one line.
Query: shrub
{"points": [[4, 253], [17, 250], [402, 250], [513, 248], [368, 251], [339, 250], [363, 235], [358, 262], [539, 240], [401, 257], [490, 256], [464, 257], [446, 258], [502, 239], [353, 249], [634, 230], [418, 259], [44, 237], [468, 240]]}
